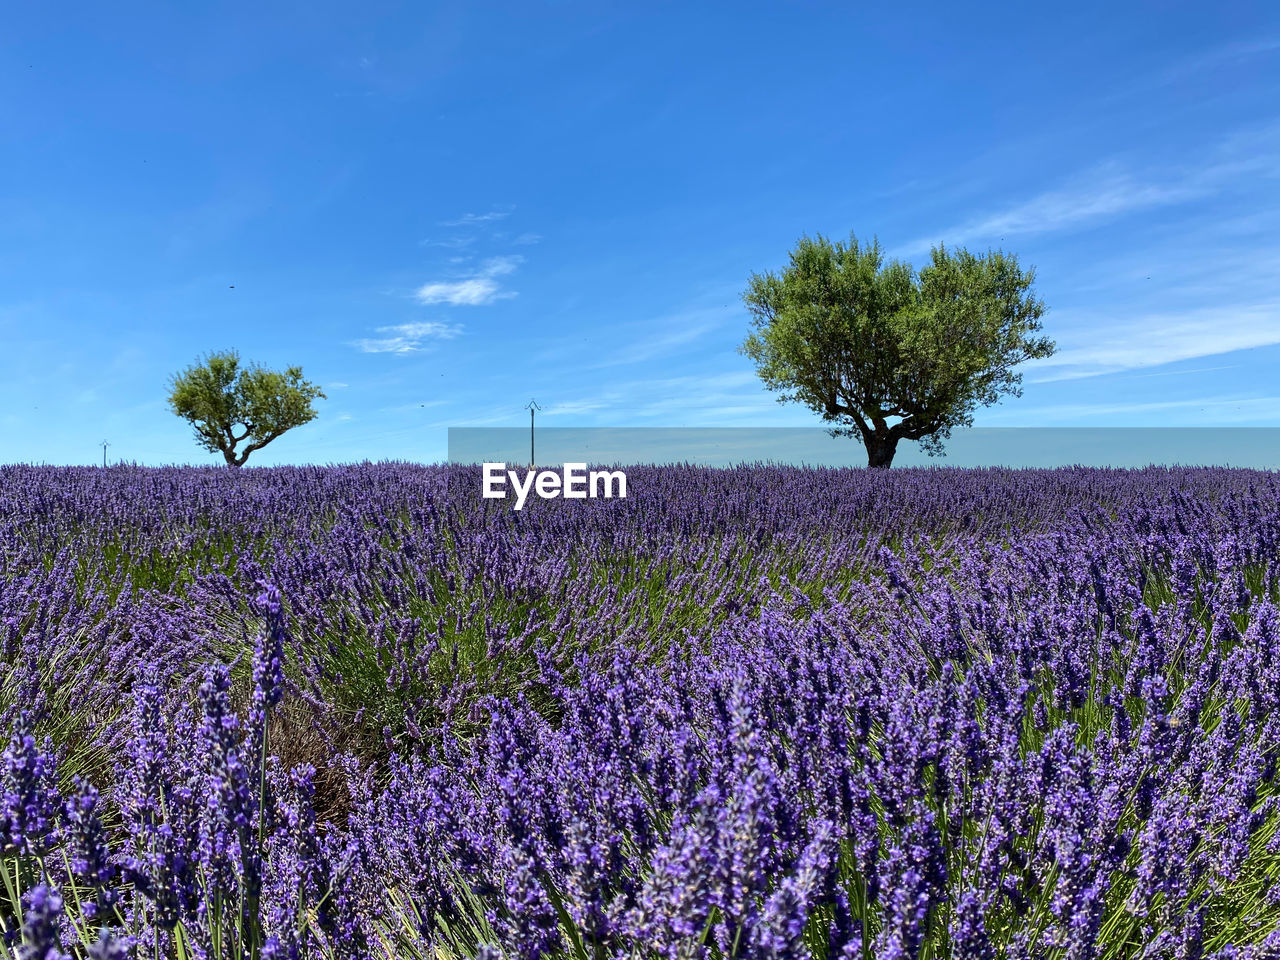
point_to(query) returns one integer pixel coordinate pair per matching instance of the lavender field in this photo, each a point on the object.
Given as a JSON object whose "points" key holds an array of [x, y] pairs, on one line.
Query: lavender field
{"points": [[758, 712]]}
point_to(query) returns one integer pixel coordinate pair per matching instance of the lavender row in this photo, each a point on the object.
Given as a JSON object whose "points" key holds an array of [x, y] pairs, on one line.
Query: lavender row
{"points": [[357, 711]]}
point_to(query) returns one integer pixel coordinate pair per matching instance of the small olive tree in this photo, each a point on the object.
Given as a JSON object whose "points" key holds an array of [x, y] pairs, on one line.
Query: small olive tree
{"points": [[887, 353], [229, 404]]}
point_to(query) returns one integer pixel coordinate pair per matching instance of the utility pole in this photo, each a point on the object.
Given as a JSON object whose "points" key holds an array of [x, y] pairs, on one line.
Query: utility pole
{"points": [[531, 406], [104, 444]]}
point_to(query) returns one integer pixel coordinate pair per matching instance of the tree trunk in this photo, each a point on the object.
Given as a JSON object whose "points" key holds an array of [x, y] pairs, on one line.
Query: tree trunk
{"points": [[880, 451]]}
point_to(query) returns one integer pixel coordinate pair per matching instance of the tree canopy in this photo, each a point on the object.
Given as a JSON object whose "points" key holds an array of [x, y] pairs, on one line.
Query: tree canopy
{"points": [[228, 404], [887, 353]]}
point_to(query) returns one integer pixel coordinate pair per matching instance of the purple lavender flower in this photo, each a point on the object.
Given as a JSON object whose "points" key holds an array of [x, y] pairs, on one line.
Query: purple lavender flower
{"points": [[761, 711], [40, 925], [29, 802]]}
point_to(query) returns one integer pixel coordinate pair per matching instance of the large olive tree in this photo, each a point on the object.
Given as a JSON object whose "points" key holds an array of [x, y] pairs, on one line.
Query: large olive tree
{"points": [[888, 353], [229, 404]]}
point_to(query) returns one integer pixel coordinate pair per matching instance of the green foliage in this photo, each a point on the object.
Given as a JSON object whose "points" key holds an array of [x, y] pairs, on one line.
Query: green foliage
{"points": [[219, 395], [888, 353]]}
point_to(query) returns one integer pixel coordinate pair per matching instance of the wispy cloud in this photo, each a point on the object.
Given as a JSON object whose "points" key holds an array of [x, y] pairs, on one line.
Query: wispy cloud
{"points": [[1228, 55], [475, 290], [1182, 371], [573, 408], [1110, 191], [666, 336], [526, 239], [1192, 410], [407, 337], [689, 400], [449, 243], [1161, 338], [704, 401], [1105, 197], [469, 219]]}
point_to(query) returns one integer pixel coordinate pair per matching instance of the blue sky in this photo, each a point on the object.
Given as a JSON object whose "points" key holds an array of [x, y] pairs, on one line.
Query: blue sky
{"points": [[441, 210]]}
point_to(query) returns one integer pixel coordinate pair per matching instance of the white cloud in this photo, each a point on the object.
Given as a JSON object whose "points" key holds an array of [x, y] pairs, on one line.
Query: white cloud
{"points": [[451, 243], [468, 219], [476, 290], [1182, 371], [496, 266], [654, 337], [407, 337], [527, 238], [1111, 196], [424, 329], [717, 399], [1227, 55], [655, 346], [1161, 338], [572, 407], [705, 401], [691, 400], [1110, 191], [1207, 410]]}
